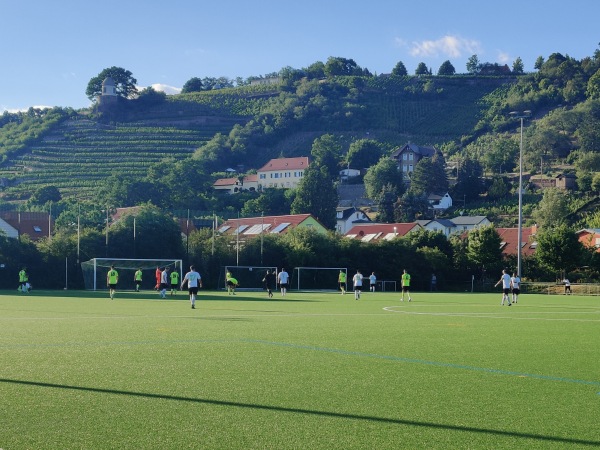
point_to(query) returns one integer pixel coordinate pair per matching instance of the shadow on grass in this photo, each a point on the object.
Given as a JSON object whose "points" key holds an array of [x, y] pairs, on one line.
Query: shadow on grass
{"points": [[412, 423]]}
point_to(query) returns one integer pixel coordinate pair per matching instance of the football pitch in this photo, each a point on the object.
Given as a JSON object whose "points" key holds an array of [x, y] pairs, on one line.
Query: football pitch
{"points": [[305, 371]]}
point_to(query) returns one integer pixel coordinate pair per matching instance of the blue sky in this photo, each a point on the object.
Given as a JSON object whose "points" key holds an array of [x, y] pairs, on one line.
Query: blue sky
{"points": [[51, 49]]}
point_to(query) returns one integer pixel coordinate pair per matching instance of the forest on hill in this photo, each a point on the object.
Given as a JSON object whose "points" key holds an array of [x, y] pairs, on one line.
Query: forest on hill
{"points": [[166, 151]]}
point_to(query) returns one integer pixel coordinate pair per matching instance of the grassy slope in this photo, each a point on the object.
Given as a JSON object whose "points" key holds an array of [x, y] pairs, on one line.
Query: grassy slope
{"points": [[310, 371], [77, 153]]}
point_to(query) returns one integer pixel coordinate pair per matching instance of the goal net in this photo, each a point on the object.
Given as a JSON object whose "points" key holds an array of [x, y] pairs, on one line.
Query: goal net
{"points": [[249, 277], [95, 270], [317, 278]]}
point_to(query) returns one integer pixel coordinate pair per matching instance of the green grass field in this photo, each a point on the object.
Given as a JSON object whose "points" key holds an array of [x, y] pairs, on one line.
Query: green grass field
{"points": [[308, 371]]}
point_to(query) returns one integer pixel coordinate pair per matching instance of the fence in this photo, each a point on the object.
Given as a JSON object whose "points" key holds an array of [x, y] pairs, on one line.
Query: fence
{"points": [[559, 289]]}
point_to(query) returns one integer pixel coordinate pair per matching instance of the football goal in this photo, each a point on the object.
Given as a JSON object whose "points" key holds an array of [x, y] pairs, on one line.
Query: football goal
{"points": [[317, 278], [95, 270], [249, 277]]}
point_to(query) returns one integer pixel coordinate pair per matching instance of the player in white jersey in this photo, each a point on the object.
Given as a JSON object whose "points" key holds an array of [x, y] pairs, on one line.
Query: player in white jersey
{"points": [[505, 280], [515, 285]]}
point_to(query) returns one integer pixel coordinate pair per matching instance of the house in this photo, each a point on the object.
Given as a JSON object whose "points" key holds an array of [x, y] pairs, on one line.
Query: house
{"points": [[468, 223], [348, 216], [236, 184], [510, 240], [373, 232], [36, 225], [589, 237], [409, 155], [345, 174], [282, 172], [353, 195], [562, 181], [444, 226], [440, 202], [246, 228]]}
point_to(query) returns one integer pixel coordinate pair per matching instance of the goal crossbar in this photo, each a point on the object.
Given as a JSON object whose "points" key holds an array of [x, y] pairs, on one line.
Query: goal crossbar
{"points": [[93, 277]]}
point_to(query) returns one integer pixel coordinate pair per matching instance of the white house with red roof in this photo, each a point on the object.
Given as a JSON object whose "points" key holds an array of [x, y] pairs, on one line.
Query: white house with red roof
{"points": [[282, 172], [590, 238], [237, 184], [371, 232]]}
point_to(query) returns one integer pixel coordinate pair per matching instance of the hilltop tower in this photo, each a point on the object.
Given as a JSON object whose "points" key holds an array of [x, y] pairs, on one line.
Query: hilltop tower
{"points": [[108, 98]]}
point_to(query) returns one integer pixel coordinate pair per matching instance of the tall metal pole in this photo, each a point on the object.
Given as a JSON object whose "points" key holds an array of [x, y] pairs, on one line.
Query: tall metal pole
{"points": [[520, 226], [520, 115], [262, 227], [237, 242]]}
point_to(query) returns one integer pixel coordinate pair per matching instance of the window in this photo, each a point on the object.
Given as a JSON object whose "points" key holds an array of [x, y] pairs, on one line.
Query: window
{"points": [[279, 228], [263, 176], [257, 229], [404, 156], [241, 228], [411, 156], [404, 167], [37, 229], [223, 229]]}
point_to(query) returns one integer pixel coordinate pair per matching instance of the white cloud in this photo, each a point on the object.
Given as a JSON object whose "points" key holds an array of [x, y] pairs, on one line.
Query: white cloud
{"points": [[17, 110], [160, 87], [504, 58], [446, 46]]}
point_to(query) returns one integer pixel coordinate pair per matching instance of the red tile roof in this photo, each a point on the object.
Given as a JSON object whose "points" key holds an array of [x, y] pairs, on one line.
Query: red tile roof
{"points": [[510, 240], [285, 164], [381, 230]]}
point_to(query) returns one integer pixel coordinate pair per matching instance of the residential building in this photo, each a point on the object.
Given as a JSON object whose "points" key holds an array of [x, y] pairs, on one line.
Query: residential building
{"points": [[468, 223], [373, 232], [440, 202], [349, 216], [444, 226], [409, 155], [36, 225], [510, 240], [590, 238], [246, 228], [282, 172], [236, 184]]}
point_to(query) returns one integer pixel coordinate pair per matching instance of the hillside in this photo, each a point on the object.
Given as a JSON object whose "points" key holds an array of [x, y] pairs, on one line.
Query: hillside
{"points": [[79, 152]]}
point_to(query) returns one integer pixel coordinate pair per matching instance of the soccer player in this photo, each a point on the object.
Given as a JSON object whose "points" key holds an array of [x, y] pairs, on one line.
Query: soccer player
{"points": [[372, 281], [137, 278], [342, 281], [567, 286], [282, 278], [194, 281], [515, 284], [157, 274], [112, 278], [230, 282], [357, 281], [174, 281], [269, 281], [23, 280], [505, 280], [164, 282], [405, 282]]}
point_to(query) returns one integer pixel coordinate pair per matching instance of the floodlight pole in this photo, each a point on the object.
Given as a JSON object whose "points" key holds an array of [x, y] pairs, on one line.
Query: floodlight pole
{"points": [[520, 115], [262, 227]]}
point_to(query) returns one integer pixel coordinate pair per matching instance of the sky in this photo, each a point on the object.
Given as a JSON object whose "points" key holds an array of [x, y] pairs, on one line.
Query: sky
{"points": [[51, 49]]}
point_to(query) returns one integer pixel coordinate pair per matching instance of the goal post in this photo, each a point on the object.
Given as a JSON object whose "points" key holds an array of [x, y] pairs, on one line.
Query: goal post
{"points": [[94, 271], [249, 277], [317, 278]]}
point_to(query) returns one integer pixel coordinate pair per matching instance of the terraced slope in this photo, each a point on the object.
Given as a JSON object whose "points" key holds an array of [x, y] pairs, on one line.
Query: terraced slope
{"points": [[80, 152]]}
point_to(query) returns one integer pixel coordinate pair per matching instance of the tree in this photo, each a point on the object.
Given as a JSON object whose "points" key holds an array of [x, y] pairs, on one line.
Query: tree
{"points": [[364, 153], [125, 84], [385, 204], [559, 249], [473, 64], [410, 207], [469, 184], [192, 85], [518, 67], [539, 63], [446, 68], [422, 69], [483, 249], [399, 70], [593, 86], [46, 194], [326, 152], [316, 195], [430, 176], [383, 173], [336, 66], [552, 209]]}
